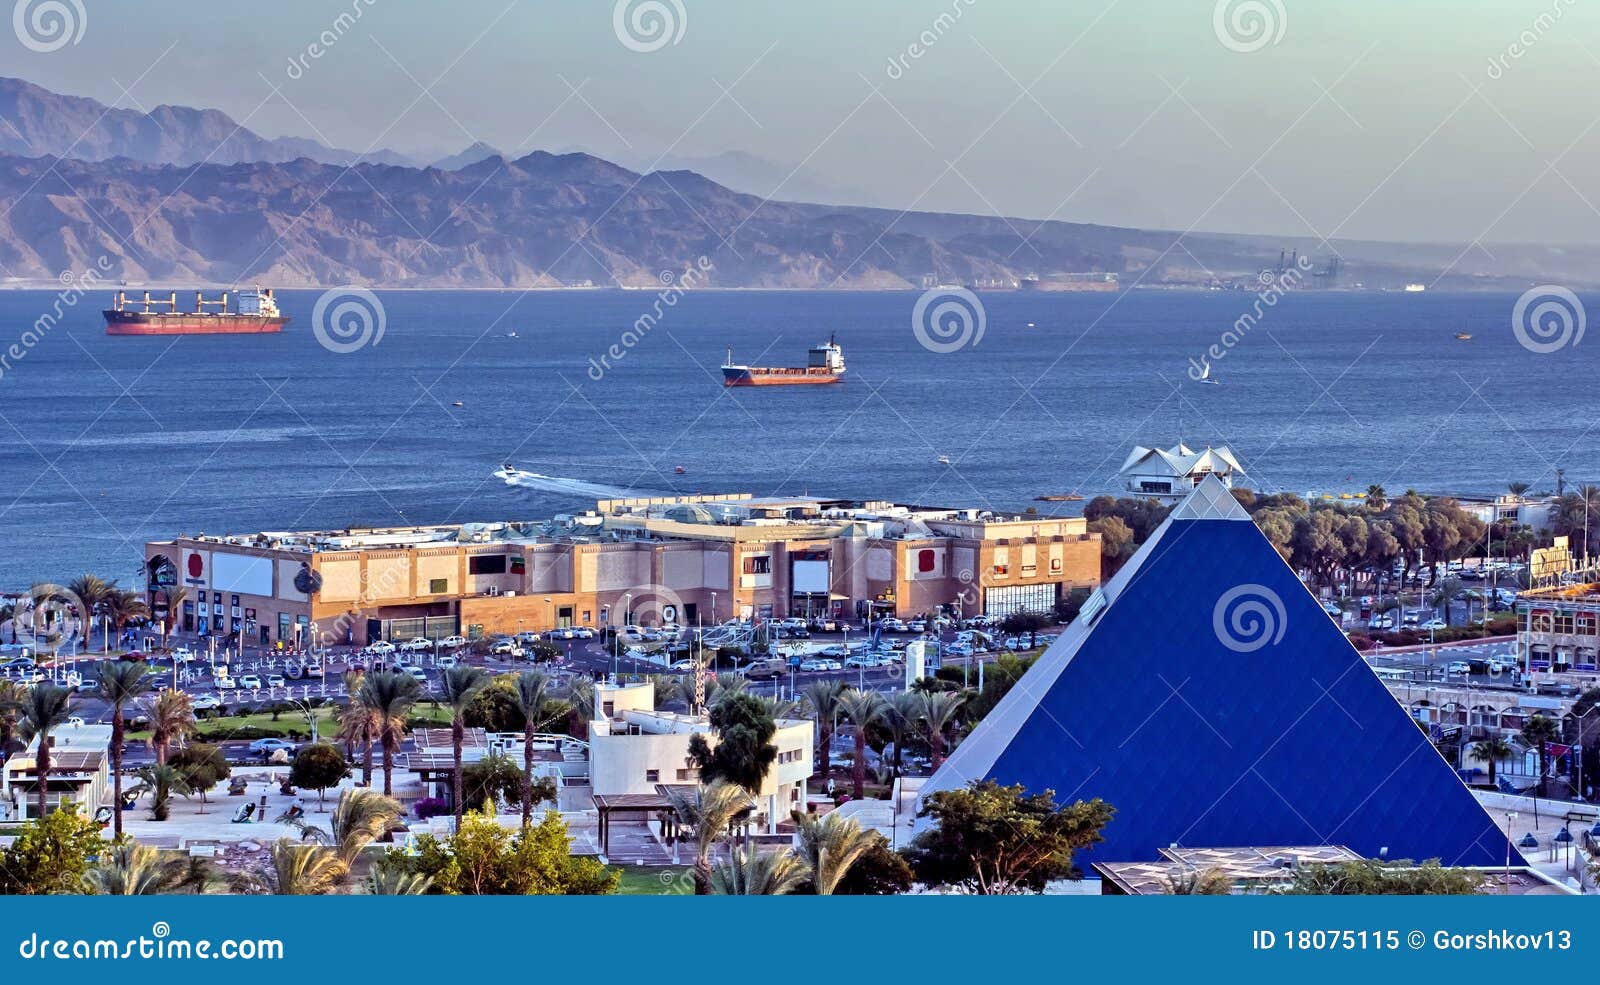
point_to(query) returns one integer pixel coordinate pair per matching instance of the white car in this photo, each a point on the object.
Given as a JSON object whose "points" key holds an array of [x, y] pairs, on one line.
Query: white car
{"points": [[183, 655], [382, 648], [453, 642], [682, 665], [865, 661], [416, 672], [1434, 624], [276, 680], [583, 633], [206, 702], [249, 682], [446, 662], [1458, 667], [815, 664], [506, 648], [417, 644]]}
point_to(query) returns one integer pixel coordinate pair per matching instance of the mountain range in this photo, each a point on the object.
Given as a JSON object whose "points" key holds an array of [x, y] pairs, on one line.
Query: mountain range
{"points": [[186, 197]]}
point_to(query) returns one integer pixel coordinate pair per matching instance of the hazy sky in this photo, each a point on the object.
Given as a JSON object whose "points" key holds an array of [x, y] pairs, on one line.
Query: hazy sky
{"points": [[1352, 118]]}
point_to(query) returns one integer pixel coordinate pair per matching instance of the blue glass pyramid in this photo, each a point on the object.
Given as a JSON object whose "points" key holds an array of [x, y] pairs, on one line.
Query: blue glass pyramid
{"points": [[1205, 695]]}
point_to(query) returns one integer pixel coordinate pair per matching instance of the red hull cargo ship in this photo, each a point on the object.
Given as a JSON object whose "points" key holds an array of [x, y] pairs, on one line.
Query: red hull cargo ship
{"points": [[824, 364], [257, 312]]}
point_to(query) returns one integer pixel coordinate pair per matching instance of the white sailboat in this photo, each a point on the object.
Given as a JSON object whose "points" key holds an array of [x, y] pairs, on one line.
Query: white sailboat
{"points": [[1205, 376]]}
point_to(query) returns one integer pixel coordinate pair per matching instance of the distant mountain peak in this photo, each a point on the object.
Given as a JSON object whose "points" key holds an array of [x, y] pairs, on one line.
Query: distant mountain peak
{"points": [[473, 154]]}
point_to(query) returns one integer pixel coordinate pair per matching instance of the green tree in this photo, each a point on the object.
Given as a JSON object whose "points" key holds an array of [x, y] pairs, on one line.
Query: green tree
{"points": [[1202, 882], [92, 591], [131, 869], [879, 871], [864, 709], [161, 781], [744, 727], [999, 840], [1371, 877], [759, 873], [822, 697], [496, 778], [937, 712], [457, 687], [42, 709], [121, 683], [203, 765], [484, 859], [1376, 498], [1492, 751], [1023, 621], [295, 870], [532, 692], [171, 720], [1537, 732], [318, 766], [831, 845], [50, 855], [361, 817], [389, 697], [1116, 543], [708, 814], [121, 607]]}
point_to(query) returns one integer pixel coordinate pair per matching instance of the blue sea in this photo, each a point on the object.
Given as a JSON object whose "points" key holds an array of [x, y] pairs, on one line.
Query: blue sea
{"points": [[108, 442]]}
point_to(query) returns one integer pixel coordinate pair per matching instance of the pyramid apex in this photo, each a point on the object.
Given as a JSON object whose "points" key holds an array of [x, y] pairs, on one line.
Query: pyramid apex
{"points": [[1211, 500]]}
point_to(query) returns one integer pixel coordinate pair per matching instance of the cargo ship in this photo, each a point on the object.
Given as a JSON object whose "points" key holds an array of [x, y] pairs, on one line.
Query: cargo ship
{"points": [[257, 312], [824, 364]]}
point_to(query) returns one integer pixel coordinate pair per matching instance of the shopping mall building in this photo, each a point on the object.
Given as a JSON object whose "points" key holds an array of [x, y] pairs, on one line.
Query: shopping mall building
{"points": [[683, 559]]}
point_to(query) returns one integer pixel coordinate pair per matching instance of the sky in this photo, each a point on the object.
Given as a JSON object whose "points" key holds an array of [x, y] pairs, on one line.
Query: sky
{"points": [[1464, 121]]}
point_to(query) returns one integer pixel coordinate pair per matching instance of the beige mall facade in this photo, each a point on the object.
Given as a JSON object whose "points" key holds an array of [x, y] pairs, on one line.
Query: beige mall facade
{"points": [[650, 561]]}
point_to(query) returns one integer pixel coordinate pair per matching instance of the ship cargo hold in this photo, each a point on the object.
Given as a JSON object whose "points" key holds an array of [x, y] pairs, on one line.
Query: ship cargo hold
{"points": [[257, 312], [824, 364]]}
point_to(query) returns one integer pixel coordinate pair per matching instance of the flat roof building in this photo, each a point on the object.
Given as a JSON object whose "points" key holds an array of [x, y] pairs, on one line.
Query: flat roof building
{"points": [[654, 561]]}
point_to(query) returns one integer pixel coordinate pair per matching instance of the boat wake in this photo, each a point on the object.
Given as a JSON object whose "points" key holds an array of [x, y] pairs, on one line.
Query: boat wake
{"points": [[568, 487]]}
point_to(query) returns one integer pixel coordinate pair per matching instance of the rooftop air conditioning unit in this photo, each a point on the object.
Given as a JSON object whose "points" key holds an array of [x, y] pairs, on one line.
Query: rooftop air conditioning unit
{"points": [[494, 589]]}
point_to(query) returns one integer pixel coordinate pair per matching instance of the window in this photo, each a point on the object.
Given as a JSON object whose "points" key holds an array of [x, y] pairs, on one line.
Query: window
{"points": [[925, 561], [438, 586], [519, 564], [652, 776], [758, 565], [688, 776], [1055, 565], [1001, 570], [486, 564]]}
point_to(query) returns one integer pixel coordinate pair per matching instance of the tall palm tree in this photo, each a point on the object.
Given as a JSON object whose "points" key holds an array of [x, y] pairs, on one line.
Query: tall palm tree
{"points": [[822, 697], [901, 713], [532, 693], [389, 696], [759, 874], [120, 607], [131, 869], [171, 720], [162, 781], [1376, 497], [361, 817], [121, 684], [457, 687], [42, 709], [831, 845], [296, 870], [938, 712], [91, 590], [1537, 732], [1493, 750], [708, 813], [176, 596], [862, 708], [10, 698], [357, 724]]}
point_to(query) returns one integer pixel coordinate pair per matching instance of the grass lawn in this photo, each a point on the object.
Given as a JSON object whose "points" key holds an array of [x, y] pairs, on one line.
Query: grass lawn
{"points": [[655, 880], [210, 729]]}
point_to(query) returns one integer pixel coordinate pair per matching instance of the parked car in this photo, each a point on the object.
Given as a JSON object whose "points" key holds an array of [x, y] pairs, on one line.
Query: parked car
{"points": [[583, 632], [815, 664], [836, 650], [865, 661], [417, 644], [767, 669], [1502, 665], [382, 648], [276, 680], [958, 649], [1460, 667], [506, 648], [453, 642], [250, 682], [183, 655], [446, 662], [682, 665], [206, 702], [18, 663], [418, 673], [1434, 624], [917, 626], [266, 747]]}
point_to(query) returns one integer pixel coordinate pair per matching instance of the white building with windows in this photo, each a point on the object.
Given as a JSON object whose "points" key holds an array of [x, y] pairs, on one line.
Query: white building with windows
{"points": [[633, 749], [1172, 473]]}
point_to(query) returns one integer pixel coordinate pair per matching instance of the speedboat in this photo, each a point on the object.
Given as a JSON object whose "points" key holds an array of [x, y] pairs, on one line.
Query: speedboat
{"points": [[944, 459], [679, 470]]}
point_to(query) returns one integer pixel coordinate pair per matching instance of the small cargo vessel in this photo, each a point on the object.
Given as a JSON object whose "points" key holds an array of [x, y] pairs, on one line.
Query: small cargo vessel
{"points": [[257, 312], [824, 364]]}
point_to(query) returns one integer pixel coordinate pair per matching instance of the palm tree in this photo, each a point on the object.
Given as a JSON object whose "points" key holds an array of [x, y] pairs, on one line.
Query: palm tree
{"points": [[937, 712], [171, 720], [131, 869], [389, 880], [823, 697], [10, 701], [759, 874], [296, 870], [532, 693], [862, 708], [1536, 733], [121, 607], [176, 596], [1199, 882], [162, 781], [457, 687], [91, 590], [831, 845], [1493, 750], [42, 708], [900, 715], [361, 817], [357, 724], [1518, 489], [1376, 497], [389, 697], [121, 683], [708, 813]]}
